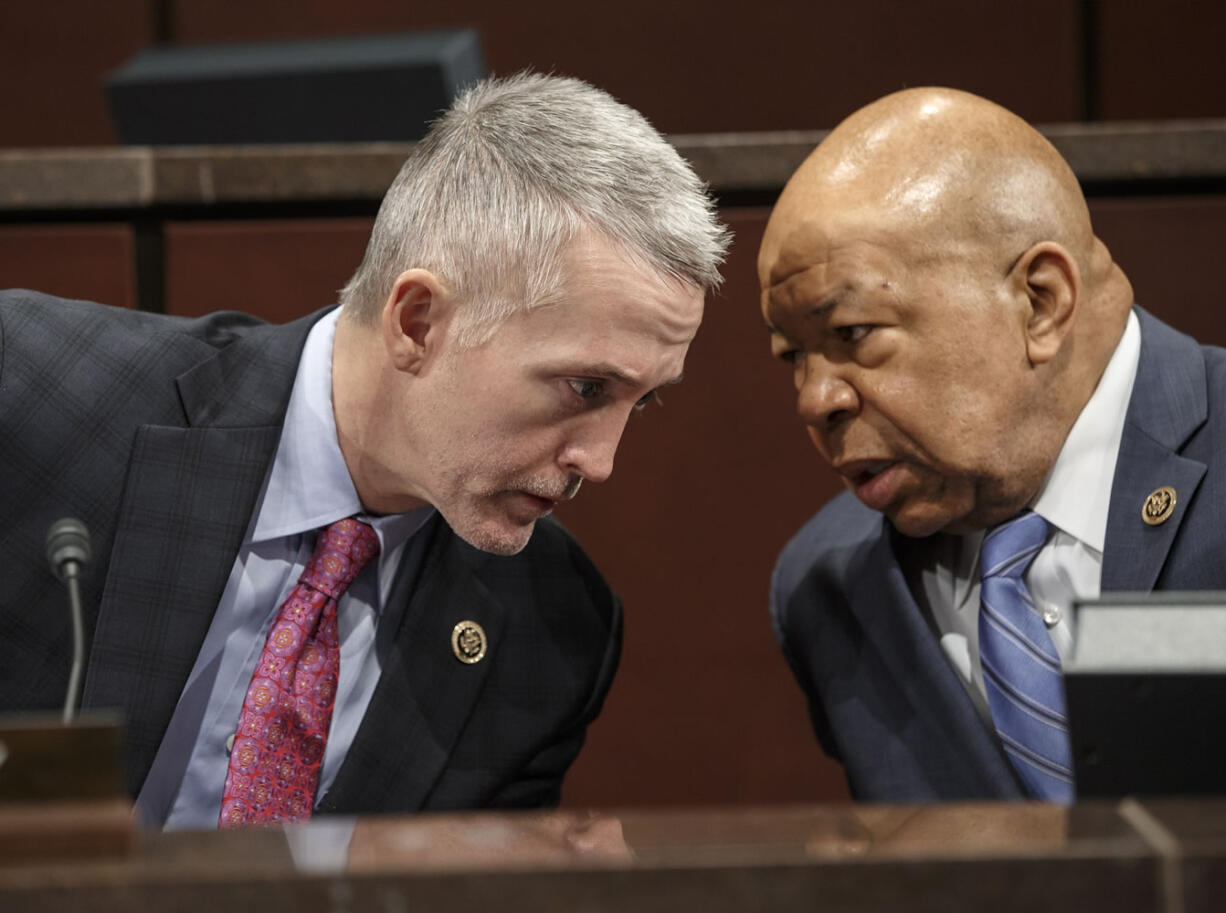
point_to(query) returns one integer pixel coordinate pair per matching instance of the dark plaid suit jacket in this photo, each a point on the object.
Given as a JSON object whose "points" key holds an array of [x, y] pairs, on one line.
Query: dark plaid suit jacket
{"points": [[157, 432]]}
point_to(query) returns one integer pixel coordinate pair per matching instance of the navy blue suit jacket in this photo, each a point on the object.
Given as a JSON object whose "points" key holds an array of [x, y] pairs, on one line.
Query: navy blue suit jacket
{"points": [[157, 432], [883, 697]]}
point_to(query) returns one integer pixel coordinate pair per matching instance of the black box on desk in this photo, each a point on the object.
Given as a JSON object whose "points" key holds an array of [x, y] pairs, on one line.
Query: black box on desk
{"points": [[360, 89], [1146, 695]]}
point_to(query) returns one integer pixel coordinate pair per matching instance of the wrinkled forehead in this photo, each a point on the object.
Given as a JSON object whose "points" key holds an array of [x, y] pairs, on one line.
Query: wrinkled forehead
{"points": [[792, 243], [813, 267], [813, 211], [811, 229], [801, 243]]}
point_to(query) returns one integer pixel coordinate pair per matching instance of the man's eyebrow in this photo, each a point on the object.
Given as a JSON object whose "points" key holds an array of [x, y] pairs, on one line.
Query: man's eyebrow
{"points": [[605, 371], [821, 310], [830, 301], [825, 302], [610, 372], [818, 310]]}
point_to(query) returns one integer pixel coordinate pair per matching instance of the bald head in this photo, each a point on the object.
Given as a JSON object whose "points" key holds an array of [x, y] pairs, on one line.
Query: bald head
{"points": [[931, 274], [945, 164]]}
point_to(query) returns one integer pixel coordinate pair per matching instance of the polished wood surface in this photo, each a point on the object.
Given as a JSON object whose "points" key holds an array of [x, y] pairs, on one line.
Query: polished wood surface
{"points": [[144, 176], [41, 758], [1165, 856]]}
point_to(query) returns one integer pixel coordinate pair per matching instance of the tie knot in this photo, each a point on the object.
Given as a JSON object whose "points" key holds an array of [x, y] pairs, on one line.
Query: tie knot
{"points": [[1009, 548], [341, 551]]}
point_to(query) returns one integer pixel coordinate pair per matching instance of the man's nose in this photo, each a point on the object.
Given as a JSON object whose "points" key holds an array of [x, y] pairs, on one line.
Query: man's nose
{"points": [[824, 396], [589, 453]]}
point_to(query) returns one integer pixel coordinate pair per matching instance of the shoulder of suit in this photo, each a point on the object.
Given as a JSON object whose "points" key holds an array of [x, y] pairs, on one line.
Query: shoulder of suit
{"points": [[87, 322], [29, 311], [830, 540]]}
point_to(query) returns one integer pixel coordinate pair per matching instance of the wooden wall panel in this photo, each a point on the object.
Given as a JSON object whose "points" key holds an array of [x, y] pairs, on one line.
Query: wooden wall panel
{"points": [[277, 269], [694, 66], [1161, 60], [1171, 250], [705, 492], [691, 66], [55, 58], [94, 262]]}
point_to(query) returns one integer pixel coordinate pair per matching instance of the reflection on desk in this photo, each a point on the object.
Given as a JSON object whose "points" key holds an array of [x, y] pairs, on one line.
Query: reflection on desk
{"points": [[1156, 856]]}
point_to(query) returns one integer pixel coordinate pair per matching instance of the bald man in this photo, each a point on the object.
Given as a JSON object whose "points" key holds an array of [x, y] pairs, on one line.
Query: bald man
{"points": [[970, 361]]}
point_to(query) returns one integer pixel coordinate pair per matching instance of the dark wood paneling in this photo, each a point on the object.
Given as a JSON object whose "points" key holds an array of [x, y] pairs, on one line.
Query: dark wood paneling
{"points": [[277, 269], [695, 66], [691, 66], [1161, 60], [74, 261], [1171, 249], [55, 58], [705, 492]]}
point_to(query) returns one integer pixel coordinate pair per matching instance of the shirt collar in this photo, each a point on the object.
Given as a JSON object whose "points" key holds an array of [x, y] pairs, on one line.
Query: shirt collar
{"points": [[1077, 494], [309, 484]]}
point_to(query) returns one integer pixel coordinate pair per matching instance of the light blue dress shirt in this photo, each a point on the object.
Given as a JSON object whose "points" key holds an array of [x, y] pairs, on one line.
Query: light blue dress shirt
{"points": [[307, 487]]}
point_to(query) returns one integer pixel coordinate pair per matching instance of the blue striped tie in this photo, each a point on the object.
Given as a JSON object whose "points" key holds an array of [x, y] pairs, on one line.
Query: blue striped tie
{"points": [[1021, 669]]}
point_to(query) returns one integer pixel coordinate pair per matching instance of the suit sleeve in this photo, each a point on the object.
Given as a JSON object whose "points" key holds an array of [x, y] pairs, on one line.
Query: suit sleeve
{"points": [[783, 593]]}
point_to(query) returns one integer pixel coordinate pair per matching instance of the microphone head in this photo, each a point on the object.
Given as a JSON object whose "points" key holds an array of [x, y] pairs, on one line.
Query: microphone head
{"points": [[67, 540]]}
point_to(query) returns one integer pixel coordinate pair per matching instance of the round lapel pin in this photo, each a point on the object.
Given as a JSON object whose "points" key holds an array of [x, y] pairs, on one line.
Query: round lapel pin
{"points": [[1159, 506], [468, 642]]}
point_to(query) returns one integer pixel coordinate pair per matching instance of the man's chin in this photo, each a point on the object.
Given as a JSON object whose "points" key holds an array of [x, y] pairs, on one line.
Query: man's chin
{"points": [[919, 524], [925, 502], [496, 538]]}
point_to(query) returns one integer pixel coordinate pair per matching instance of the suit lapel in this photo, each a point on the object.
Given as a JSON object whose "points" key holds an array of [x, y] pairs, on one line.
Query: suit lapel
{"points": [[187, 501], [425, 694], [1168, 404], [895, 624]]}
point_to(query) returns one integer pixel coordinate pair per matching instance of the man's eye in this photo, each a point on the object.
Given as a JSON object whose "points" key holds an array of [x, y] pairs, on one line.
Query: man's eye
{"points": [[789, 356], [643, 401], [587, 389], [853, 333]]}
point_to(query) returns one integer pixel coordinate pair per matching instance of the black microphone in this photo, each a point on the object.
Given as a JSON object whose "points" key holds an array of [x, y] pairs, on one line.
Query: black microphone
{"points": [[68, 553]]}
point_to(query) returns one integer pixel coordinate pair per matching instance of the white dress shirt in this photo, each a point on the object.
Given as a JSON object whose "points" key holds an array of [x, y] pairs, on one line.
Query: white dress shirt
{"points": [[308, 487], [1074, 499]]}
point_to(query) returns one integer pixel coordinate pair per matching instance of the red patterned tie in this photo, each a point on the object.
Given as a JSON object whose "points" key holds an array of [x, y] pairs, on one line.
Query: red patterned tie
{"points": [[283, 727]]}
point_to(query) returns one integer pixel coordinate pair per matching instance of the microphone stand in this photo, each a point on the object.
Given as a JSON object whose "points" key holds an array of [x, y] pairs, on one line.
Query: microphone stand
{"points": [[72, 699], [61, 788], [67, 551]]}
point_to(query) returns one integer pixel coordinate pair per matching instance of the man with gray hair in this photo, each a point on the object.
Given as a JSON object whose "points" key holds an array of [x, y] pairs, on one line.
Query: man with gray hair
{"points": [[315, 583]]}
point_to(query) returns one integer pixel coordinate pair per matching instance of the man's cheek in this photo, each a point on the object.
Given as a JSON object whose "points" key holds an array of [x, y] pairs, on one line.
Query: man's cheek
{"points": [[816, 440]]}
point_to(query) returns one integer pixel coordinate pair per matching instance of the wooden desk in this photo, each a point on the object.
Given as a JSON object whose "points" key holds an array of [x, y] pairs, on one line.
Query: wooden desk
{"points": [[1167, 856]]}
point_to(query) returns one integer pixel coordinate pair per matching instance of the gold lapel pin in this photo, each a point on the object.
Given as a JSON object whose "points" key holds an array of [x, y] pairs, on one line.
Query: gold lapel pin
{"points": [[468, 642], [1159, 506]]}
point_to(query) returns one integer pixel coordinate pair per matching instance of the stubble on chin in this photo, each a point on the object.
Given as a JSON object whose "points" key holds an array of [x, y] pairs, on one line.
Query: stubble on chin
{"points": [[496, 545], [485, 520], [490, 529]]}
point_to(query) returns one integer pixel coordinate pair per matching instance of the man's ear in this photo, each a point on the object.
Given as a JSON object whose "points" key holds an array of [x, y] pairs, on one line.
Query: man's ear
{"points": [[1049, 277], [415, 319]]}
